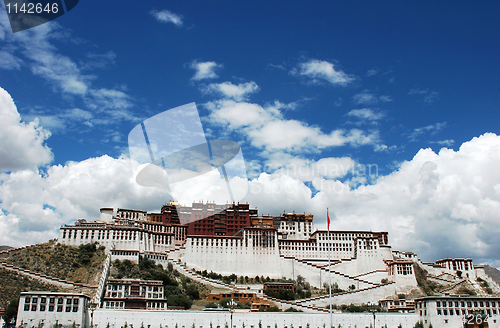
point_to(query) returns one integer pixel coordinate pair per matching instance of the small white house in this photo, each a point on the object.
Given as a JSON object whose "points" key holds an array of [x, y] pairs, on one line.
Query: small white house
{"points": [[47, 309]]}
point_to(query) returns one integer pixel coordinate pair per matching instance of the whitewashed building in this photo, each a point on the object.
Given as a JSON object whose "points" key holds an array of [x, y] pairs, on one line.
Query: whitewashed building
{"points": [[46, 309], [452, 311]]}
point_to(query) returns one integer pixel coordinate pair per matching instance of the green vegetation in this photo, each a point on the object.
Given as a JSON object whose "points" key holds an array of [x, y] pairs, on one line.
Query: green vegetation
{"points": [[269, 309], [13, 284], [291, 309], [226, 303], [233, 279], [77, 264], [463, 290], [428, 287], [484, 284], [11, 311], [281, 293], [335, 288], [355, 308], [211, 305], [301, 287], [180, 291]]}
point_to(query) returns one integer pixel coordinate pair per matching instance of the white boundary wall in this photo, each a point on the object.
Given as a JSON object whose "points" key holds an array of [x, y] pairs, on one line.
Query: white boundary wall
{"points": [[207, 319]]}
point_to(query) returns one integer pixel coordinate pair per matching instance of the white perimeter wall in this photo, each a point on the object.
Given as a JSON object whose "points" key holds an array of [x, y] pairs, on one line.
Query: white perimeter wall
{"points": [[203, 319]]}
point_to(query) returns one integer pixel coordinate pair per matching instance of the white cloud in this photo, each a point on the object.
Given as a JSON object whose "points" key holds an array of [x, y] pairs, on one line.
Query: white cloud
{"points": [[385, 98], [428, 96], [366, 114], [266, 128], [446, 143], [45, 61], [9, 61], [368, 98], [303, 169], [204, 70], [371, 72], [166, 16], [232, 91], [322, 70], [439, 205], [22, 144], [364, 98], [108, 99], [37, 45], [432, 129], [36, 206], [59, 122]]}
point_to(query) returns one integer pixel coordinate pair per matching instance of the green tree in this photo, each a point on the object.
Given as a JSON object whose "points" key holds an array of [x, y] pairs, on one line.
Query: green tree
{"points": [[11, 311], [179, 300], [192, 292]]}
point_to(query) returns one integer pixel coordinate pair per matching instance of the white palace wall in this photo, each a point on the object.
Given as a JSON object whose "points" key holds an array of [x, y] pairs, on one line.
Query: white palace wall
{"points": [[144, 237], [228, 255], [372, 295], [218, 319]]}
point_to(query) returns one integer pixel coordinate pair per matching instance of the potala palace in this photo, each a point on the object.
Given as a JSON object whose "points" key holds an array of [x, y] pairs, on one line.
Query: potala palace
{"points": [[235, 239], [238, 241]]}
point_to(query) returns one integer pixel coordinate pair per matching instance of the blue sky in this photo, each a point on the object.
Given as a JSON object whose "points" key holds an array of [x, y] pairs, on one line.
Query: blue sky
{"points": [[387, 84]]}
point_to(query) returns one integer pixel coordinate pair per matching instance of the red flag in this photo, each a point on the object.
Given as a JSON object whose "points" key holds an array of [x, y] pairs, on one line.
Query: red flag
{"points": [[328, 219]]}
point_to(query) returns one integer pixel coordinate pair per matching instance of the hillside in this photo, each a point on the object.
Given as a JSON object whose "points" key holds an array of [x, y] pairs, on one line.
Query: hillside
{"points": [[179, 290], [493, 273], [4, 248], [77, 264], [13, 284]]}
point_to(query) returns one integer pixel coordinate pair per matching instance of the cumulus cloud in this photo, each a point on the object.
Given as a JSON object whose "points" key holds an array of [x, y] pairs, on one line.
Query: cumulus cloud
{"points": [[23, 144], [36, 206], [439, 205], [166, 16], [232, 91], [204, 70], [266, 128], [304, 169], [320, 70]]}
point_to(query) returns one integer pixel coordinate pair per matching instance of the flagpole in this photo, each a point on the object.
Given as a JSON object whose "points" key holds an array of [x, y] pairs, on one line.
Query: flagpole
{"points": [[329, 269]]}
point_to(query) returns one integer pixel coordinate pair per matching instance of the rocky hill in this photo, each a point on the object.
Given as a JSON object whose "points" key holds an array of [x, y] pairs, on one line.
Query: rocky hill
{"points": [[77, 264], [493, 273]]}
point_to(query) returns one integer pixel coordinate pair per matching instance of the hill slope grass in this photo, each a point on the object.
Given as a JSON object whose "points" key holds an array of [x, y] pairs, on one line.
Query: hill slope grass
{"points": [[12, 284], [77, 264]]}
